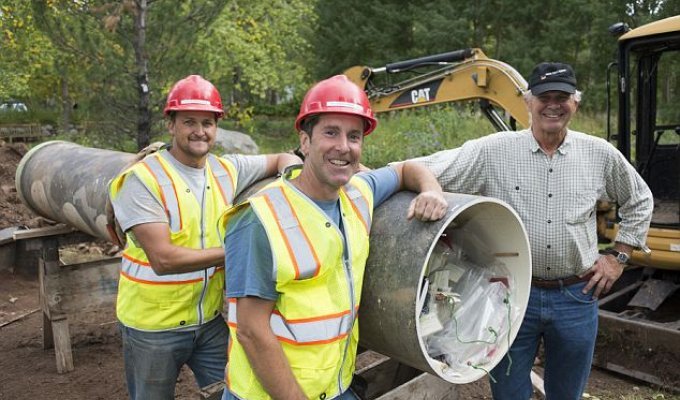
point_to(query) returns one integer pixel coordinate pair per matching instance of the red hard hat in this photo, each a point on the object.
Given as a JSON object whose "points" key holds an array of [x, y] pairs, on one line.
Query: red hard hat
{"points": [[337, 94], [194, 93]]}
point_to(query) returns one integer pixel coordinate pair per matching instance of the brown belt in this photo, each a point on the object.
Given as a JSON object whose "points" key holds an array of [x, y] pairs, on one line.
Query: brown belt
{"points": [[557, 283]]}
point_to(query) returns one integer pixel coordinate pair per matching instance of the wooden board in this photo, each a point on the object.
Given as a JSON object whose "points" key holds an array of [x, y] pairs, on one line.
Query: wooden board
{"points": [[389, 379], [82, 287], [423, 387], [41, 232]]}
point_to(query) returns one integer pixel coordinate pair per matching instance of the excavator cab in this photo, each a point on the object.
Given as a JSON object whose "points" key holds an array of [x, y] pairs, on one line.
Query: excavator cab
{"points": [[456, 76], [649, 127], [639, 321]]}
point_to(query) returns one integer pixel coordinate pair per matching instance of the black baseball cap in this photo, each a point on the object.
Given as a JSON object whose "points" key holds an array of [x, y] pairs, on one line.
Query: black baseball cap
{"points": [[548, 76]]}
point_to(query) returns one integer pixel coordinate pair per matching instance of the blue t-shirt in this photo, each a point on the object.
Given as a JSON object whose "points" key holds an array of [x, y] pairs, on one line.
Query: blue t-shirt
{"points": [[252, 274]]}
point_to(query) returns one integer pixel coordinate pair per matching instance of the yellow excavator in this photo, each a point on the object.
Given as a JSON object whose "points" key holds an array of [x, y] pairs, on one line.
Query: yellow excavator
{"points": [[639, 320], [649, 128], [639, 331], [469, 75], [461, 75]]}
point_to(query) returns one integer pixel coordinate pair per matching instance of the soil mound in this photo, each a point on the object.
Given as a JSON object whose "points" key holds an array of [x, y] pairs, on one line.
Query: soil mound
{"points": [[12, 211]]}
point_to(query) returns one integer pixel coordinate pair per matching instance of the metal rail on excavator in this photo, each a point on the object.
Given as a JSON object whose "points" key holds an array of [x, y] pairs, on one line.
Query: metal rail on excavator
{"points": [[456, 76]]}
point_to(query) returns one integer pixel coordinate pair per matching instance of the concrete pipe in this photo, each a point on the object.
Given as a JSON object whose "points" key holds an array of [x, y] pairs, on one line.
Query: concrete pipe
{"points": [[397, 265], [68, 183]]}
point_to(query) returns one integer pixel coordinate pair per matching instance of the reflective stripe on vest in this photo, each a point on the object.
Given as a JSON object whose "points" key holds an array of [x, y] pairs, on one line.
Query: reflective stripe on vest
{"points": [[360, 205], [302, 255], [318, 330], [314, 319], [140, 271], [168, 192], [223, 178]]}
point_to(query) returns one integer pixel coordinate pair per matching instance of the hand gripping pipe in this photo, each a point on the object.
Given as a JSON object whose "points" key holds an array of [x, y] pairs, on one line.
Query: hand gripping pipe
{"points": [[68, 183]]}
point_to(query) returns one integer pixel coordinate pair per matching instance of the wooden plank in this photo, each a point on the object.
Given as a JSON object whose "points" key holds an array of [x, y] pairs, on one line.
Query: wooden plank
{"points": [[380, 377], [19, 317], [82, 287], [11, 131], [59, 229], [423, 387], [213, 391], [7, 256], [385, 374], [47, 337], [7, 235], [62, 344]]}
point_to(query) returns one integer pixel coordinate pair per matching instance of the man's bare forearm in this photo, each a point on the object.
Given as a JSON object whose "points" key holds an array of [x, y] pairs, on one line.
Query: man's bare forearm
{"points": [[264, 350]]}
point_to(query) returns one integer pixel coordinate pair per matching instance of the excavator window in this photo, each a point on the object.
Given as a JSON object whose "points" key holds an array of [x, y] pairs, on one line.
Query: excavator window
{"points": [[655, 114]]}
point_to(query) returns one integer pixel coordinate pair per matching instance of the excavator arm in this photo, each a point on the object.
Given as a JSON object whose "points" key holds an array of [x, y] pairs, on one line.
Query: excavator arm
{"points": [[461, 75]]}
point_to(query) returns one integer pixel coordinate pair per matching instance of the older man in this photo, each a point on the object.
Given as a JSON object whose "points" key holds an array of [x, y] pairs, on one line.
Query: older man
{"points": [[553, 176]]}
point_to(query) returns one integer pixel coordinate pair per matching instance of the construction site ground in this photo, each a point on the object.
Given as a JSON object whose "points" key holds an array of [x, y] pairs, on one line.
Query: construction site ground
{"points": [[27, 371]]}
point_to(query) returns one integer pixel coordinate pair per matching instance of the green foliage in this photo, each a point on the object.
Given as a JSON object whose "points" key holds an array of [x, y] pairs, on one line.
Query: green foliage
{"points": [[417, 132], [27, 55], [96, 139], [272, 134], [261, 53], [33, 115], [406, 134], [129, 52], [518, 33], [357, 32]]}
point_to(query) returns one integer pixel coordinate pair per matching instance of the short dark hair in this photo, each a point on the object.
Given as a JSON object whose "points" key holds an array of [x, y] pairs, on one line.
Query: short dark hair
{"points": [[309, 123]]}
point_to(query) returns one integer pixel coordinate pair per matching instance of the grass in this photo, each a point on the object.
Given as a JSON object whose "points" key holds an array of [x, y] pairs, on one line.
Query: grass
{"points": [[407, 134], [400, 135]]}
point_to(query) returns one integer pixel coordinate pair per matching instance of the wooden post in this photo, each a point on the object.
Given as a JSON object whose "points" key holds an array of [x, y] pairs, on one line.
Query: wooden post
{"points": [[55, 325]]}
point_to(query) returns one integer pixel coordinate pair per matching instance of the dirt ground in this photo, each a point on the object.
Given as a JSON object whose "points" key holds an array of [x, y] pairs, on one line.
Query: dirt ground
{"points": [[27, 371]]}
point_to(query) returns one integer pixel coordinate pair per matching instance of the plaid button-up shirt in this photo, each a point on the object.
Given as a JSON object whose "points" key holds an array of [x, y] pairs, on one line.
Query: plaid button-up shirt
{"points": [[554, 196]]}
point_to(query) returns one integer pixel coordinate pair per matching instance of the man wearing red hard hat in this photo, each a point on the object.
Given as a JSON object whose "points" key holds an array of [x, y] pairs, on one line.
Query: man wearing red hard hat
{"points": [[296, 252], [171, 284]]}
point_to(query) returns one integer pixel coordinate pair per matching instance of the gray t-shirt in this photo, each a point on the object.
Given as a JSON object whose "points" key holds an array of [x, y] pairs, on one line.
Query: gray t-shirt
{"points": [[136, 204]]}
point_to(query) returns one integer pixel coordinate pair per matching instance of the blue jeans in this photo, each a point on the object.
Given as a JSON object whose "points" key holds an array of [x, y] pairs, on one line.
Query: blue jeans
{"points": [[566, 320], [153, 359]]}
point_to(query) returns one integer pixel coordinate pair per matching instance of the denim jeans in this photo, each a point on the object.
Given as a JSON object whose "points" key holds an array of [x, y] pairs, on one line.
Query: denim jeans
{"points": [[153, 359], [566, 320]]}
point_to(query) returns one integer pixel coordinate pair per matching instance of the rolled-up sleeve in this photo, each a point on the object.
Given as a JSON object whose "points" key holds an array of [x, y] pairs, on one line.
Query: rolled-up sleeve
{"points": [[635, 200], [459, 170]]}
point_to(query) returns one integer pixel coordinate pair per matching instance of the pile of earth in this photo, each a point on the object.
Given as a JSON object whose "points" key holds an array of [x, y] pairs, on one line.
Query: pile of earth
{"points": [[12, 211]]}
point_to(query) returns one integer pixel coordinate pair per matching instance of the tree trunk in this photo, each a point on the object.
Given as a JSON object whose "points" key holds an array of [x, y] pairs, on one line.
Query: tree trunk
{"points": [[66, 106], [142, 63]]}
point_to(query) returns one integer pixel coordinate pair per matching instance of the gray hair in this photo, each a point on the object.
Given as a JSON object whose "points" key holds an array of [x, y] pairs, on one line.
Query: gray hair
{"points": [[577, 95]]}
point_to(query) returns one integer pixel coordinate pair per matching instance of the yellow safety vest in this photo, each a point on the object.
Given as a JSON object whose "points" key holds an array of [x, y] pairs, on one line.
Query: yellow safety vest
{"points": [[315, 316], [151, 302]]}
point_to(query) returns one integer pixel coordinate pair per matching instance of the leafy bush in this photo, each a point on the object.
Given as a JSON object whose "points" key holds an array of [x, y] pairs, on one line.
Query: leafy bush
{"points": [[417, 132]]}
